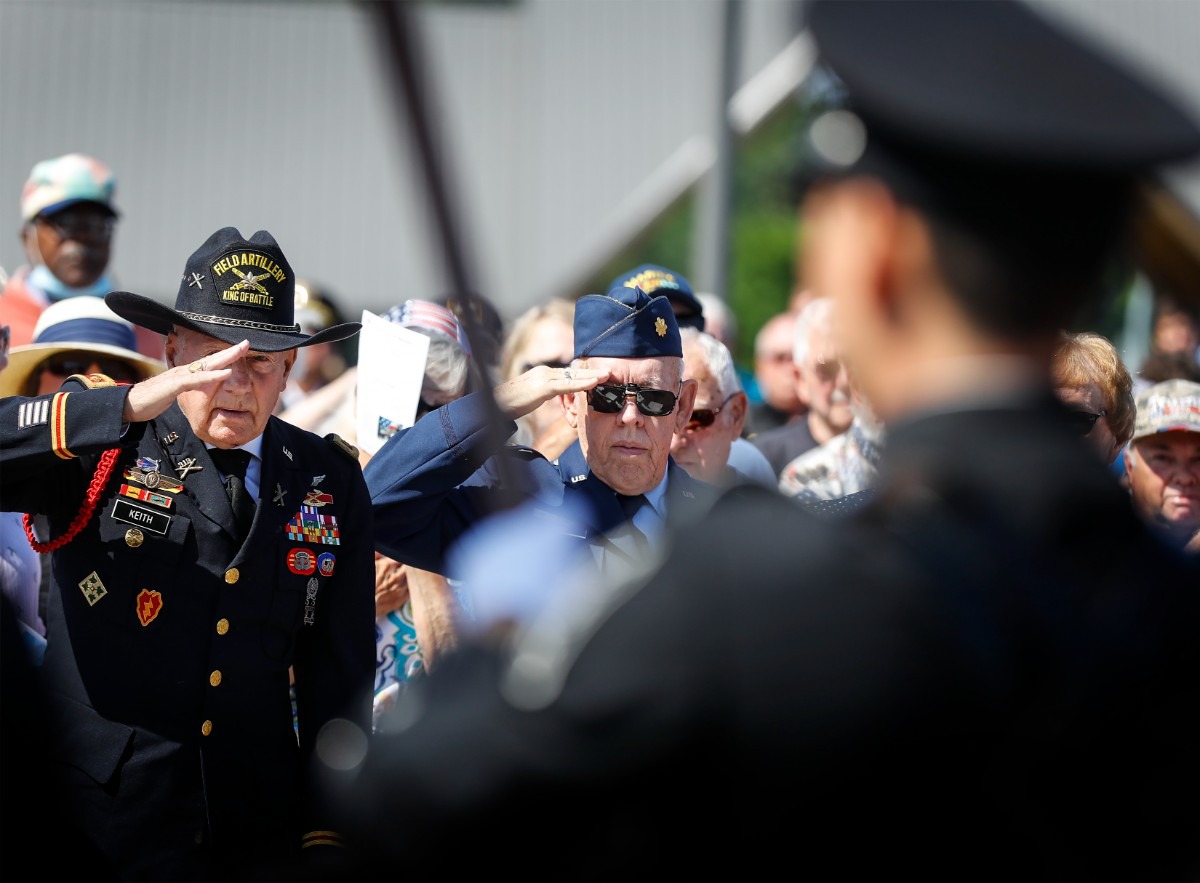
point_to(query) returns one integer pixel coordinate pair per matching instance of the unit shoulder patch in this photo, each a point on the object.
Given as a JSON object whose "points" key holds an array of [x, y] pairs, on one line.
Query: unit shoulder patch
{"points": [[344, 446]]}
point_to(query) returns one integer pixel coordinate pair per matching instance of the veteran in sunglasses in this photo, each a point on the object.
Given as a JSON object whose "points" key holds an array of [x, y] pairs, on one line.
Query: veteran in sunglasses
{"points": [[624, 393]]}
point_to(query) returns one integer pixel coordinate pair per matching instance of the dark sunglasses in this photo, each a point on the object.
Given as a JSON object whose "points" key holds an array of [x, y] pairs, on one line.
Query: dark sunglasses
{"points": [[702, 418], [528, 365], [610, 399], [1085, 421], [66, 364]]}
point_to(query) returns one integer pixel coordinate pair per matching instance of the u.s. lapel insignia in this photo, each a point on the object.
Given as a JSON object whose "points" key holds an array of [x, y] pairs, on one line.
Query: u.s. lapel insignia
{"points": [[187, 466], [316, 498], [310, 601], [149, 605], [317, 479], [280, 493], [170, 438], [287, 453], [93, 590]]}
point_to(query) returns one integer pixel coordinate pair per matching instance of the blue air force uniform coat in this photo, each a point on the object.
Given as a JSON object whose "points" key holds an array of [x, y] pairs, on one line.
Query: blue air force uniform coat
{"points": [[170, 641], [433, 482]]}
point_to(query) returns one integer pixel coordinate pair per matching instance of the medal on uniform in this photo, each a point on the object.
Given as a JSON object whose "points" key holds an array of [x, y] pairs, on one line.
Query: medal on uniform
{"points": [[310, 601], [146, 496], [152, 478], [301, 562], [316, 498]]}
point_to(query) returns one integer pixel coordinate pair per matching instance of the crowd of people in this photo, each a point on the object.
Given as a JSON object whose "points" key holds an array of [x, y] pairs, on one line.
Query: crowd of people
{"points": [[606, 605]]}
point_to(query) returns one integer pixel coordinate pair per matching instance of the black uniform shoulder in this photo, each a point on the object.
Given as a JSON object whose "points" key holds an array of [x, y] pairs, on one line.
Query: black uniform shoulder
{"points": [[342, 446]]}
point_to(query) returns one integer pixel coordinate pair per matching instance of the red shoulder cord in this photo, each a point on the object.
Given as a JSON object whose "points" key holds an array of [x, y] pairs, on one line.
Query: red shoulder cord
{"points": [[104, 471]]}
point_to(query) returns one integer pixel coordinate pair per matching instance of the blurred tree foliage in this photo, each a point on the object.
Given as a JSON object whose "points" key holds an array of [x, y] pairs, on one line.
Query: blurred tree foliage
{"points": [[762, 261]]}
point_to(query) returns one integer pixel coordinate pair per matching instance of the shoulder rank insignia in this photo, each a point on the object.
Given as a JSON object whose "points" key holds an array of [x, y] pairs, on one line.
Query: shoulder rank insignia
{"points": [[344, 446]]}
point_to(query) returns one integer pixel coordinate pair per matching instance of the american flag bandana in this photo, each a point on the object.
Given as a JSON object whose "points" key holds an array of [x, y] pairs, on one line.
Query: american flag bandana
{"points": [[431, 316]]}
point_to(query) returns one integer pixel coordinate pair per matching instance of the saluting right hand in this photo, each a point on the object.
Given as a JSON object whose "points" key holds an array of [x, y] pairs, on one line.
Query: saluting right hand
{"points": [[150, 397], [539, 384]]}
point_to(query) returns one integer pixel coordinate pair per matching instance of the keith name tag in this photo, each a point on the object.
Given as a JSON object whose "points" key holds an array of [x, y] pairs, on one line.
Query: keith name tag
{"points": [[158, 522]]}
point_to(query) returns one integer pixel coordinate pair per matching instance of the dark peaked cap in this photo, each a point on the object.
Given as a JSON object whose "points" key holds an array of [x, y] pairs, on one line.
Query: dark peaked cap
{"points": [[233, 289], [994, 82], [626, 323]]}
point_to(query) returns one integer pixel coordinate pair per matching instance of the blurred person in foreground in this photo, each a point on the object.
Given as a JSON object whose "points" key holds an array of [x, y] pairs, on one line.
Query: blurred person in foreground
{"points": [[1163, 460], [988, 672], [821, 384], [68, 220], [704, 445], [202, 551], [1091, 379]]}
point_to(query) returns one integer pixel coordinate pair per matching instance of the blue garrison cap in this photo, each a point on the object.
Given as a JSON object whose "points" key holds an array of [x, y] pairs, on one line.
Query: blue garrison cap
{"points": [[655, 279], [626, 323]]}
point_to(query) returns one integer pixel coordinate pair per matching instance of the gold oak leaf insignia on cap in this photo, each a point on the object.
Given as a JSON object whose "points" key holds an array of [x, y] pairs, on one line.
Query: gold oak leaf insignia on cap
{"points": [[660, 325]]}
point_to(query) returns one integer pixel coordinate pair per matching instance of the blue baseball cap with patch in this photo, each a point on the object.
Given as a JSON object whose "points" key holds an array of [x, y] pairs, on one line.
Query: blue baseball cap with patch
{"points": [[656, 279], [626, 323]]}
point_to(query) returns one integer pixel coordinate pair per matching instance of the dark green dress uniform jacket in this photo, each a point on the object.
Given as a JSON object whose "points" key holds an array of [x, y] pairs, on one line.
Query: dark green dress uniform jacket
{"points": [[170, 640]]}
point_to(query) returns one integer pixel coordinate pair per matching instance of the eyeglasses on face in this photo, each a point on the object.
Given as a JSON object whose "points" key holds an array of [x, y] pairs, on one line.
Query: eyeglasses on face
{"points": [[702, 418], [74, 226], [1085, 421], [66, 364], [610, 399]]}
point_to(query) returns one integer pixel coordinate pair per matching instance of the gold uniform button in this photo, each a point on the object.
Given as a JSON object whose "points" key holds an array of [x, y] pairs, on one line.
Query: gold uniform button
{"points": [[232, 575], [222, 625], [134, 538], [206, 727], [215, 678]]}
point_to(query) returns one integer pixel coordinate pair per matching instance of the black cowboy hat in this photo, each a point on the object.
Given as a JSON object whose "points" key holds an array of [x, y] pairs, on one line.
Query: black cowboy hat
{"points": [[233, 289]]}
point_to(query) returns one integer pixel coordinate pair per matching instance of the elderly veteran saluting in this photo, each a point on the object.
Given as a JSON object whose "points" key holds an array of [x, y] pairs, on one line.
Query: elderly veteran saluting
{"points": [[625, 395], [187, 583]]}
